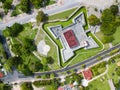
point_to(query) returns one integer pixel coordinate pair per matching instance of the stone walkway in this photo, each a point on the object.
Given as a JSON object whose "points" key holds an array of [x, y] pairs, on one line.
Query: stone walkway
{"points": [[112, 87]]}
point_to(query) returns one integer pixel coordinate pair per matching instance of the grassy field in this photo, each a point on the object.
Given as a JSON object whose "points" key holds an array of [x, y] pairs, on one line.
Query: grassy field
{"points": [[28, 32], [116, 36], [111, 71], [53, 49], [99, 84], [99, 35], [62, 15], [81, 54]]}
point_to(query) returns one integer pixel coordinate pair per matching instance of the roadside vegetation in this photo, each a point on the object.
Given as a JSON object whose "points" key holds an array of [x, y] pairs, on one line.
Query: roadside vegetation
{"points": [[7, 5], [24, 6], [54, 83], [5, 86], [26, 86], [98, 69]]}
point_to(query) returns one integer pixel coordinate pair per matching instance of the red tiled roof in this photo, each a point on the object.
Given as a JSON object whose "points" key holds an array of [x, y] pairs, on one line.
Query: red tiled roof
{"points": [[60, 88], [1, 74], [71, 39], [87, 74]]}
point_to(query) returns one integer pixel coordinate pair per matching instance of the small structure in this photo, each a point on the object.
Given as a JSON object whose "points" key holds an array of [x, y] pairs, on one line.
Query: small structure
{"points": [[87, 74], [42, 48], [60, 88], [1, 75], [75, 83], [84, 83], [66, 87]]}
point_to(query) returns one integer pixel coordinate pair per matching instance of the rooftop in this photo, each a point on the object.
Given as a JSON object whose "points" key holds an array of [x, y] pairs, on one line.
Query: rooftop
{"points": [[87, 74]]}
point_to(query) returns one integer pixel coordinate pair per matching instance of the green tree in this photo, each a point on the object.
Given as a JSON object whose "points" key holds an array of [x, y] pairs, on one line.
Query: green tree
{"points": [[5, 86], [25, 6], [39, 3], [50, 60], [13, 31], [26, 86], [16, 29], [24, 69], [93, 20], [118, 71], [114, 9], [12, 62], [35, 67], [6, 32], [7, 4], [107, 39], [29, 44], [108, 28], [107, 16], [40, 17]]}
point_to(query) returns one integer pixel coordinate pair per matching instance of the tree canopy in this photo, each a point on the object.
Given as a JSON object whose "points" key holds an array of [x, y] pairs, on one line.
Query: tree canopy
{"points": [[110, 21], [39, 3], [40, 17], [13, 31], [114, 9], [26, 86], [25, 6], [93, 20], [107, 16]]}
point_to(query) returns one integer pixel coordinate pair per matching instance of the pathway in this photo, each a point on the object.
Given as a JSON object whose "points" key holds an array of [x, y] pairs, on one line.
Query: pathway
{"points": [[112, 87]]}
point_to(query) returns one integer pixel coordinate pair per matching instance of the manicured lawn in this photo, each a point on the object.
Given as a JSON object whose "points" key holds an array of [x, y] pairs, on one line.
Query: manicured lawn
{"points": [[53, 49], [62, 15], [116, 36], [111, 71], [99, 35], [81, 54], [49, 87], [41, 35], [52, 53], [99, 84], [28, 32]]}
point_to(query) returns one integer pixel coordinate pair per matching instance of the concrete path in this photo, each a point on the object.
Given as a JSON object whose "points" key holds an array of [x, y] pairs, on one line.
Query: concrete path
{"points": [[112, 87]]}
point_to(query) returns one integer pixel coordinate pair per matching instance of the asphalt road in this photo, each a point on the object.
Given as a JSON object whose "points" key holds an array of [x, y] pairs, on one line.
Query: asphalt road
{"points": [[67, 5], [89, 61]]}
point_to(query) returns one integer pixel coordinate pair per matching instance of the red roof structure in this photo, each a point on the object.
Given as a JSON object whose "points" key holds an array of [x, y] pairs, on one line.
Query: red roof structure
{"points": [[60, 88], [1, 74], [87, 74], [71, 39]]}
